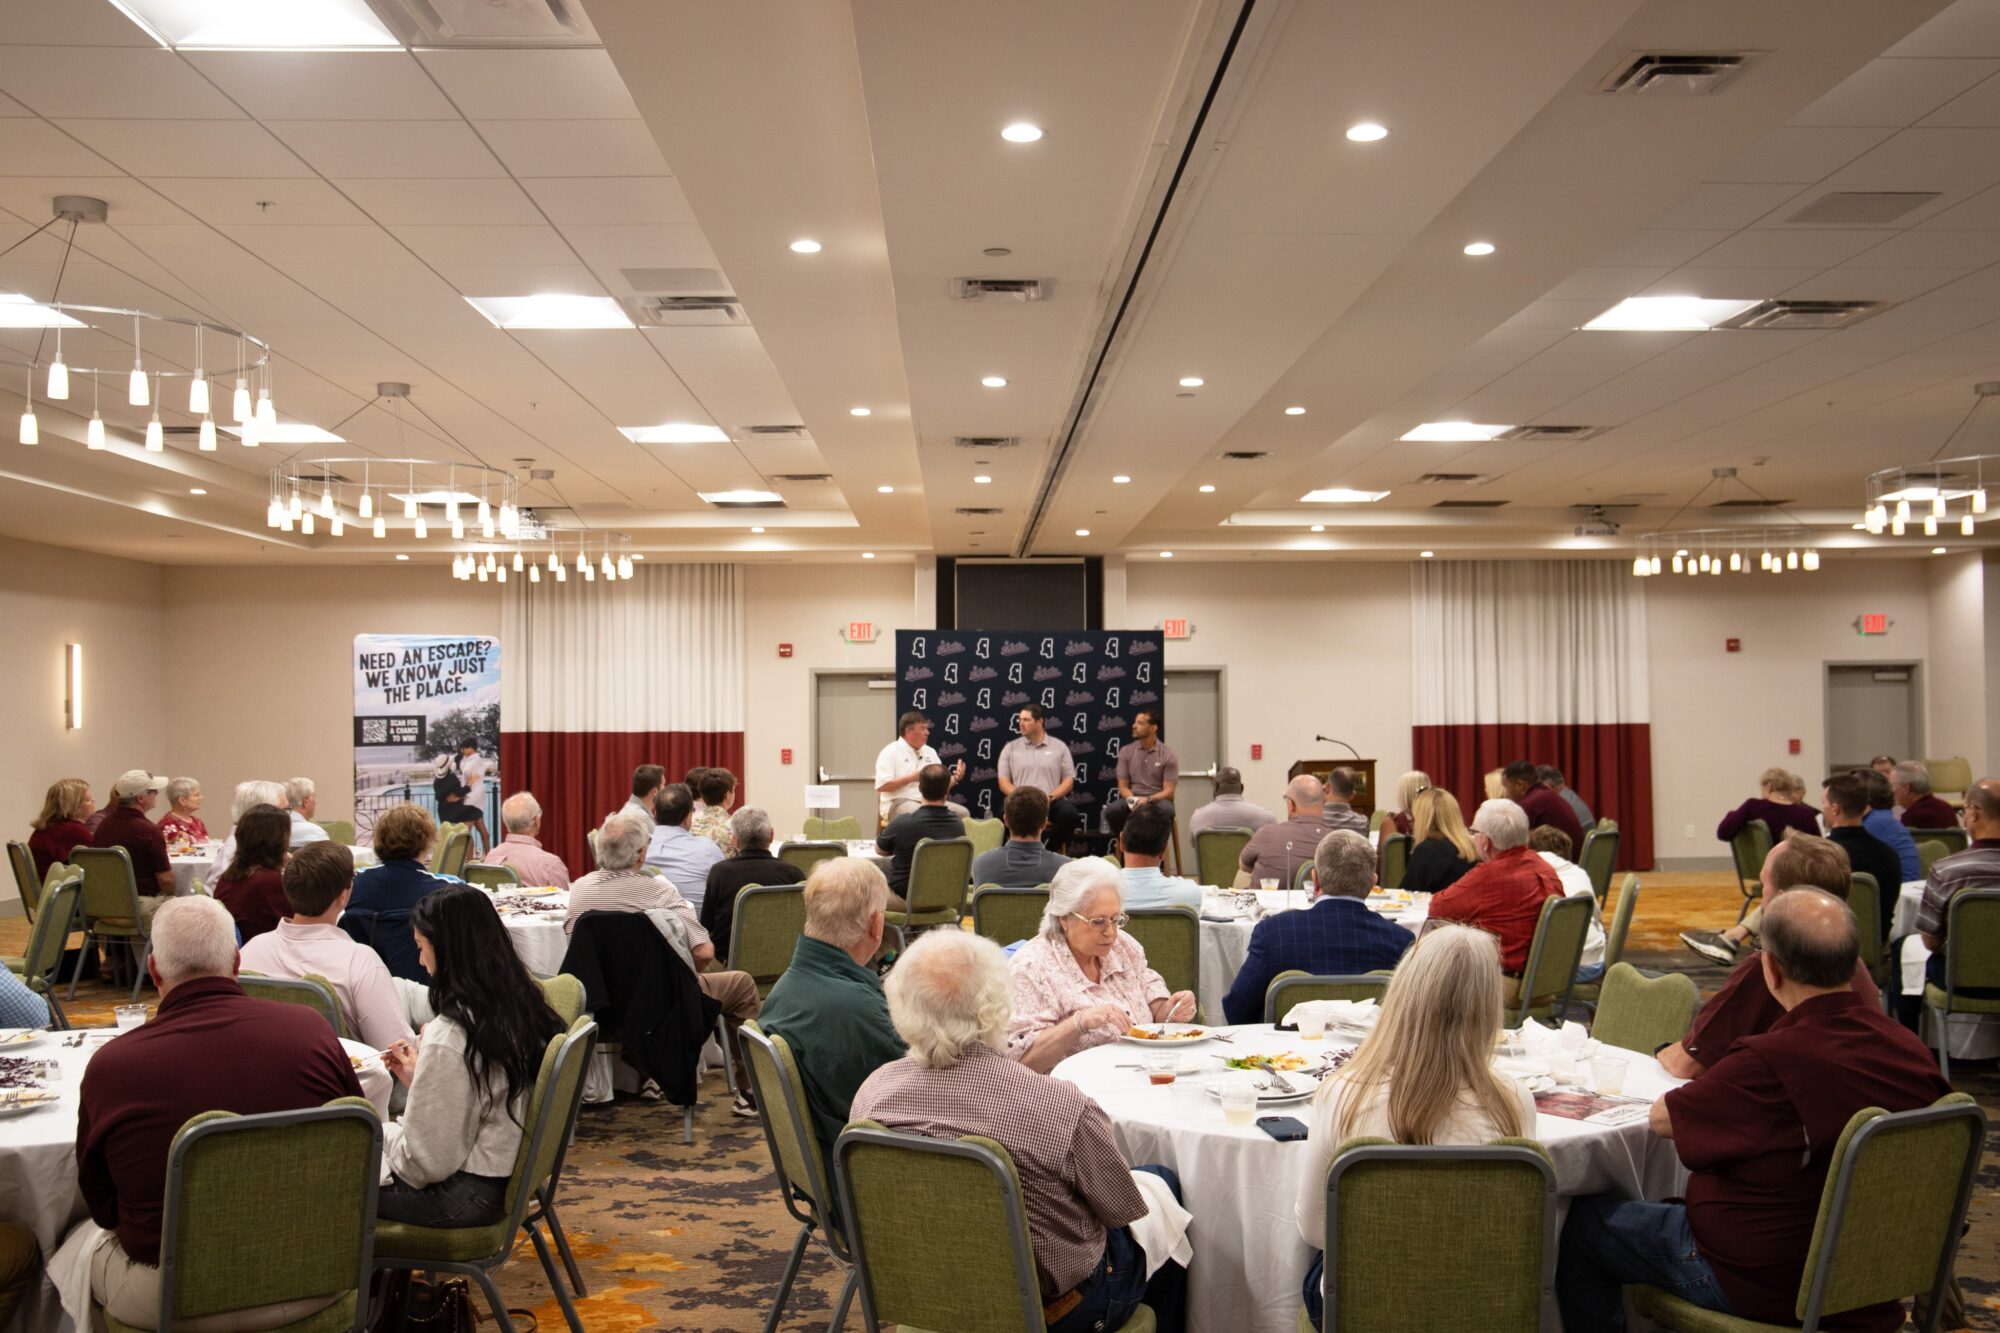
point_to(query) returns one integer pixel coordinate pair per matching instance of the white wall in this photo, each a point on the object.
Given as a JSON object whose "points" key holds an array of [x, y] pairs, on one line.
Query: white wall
{"points": [[1959, 682]]}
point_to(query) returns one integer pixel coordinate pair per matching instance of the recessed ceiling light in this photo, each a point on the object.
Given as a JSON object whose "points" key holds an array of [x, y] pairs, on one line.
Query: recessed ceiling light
{"points": [[805, 245], [1208, 490], [1937, 550], [860, 412], [1083, 532], [756, 529], [1367, 132], [675, 432], [996, 252], [18, 312], [1021, 132], [1191, 381], [1166, 555], [885, 490], [1667, 314], [741, 497], [551, 310], [867, 555], [993, 382], [401, 556], [1295, 411], [1321, 527], [296, 25], [1455, 432], [1341, 495], [290, 432], [1479, 248], [1427, 554], [196, 490], [641, 555], [1121, 480], [982, 479]]}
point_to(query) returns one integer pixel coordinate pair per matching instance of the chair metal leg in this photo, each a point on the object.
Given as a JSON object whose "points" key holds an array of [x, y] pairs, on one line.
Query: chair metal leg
{"points": [[728, 1064], [555, 1278], [687, 1124], [562, 1244], [139, 958], [792, 1263], [499, 1307], [846, 1299], [1944, 1041], [76, 973]]}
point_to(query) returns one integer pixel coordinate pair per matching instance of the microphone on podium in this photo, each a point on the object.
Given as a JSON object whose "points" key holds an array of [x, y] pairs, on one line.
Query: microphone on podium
{"points": [[1331, 740]]}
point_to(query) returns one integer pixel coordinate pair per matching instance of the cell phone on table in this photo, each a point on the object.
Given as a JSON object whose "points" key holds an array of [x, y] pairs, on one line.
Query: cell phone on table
{"points": [[1283, 1128]]}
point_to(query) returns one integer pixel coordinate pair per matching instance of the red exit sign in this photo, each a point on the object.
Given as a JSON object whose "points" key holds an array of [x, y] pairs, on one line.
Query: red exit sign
{"points": [[861, 631], [1875, 622], [1174, 629]]}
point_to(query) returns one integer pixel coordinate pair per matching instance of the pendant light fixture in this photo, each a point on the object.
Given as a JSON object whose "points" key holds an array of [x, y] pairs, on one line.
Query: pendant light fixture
{"points": [[1934, 486], [31, 431], [93, 434], [58, 372], [137, 392], [1709, 550], [207, 438], [198, 386]]}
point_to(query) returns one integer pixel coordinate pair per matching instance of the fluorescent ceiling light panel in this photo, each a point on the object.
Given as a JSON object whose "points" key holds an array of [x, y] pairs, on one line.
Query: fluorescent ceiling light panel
{"points": [[260, 25], [435, 497], [551, 310], [1668, 314], [1925, 494], [290, 432], [18, 312], [675, 432], [1341, 495], [1458, 432], [741, 497]]}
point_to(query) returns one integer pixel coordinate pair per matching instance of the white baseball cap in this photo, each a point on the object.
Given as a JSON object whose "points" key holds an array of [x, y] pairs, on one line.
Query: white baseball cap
{"points": [[136, 782]]}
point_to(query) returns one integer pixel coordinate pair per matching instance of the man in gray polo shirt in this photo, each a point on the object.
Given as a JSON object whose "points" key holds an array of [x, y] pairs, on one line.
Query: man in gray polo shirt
{"points": [[1036, 759], [1148, 772], [1229, 809]]}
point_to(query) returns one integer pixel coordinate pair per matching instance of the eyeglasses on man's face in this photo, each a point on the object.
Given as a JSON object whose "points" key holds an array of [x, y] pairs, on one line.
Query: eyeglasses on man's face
{"points": [[1102, 922]]}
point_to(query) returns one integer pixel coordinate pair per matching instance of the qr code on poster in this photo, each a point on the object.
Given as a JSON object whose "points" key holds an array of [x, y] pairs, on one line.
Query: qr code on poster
{"points": [[374, 730]]}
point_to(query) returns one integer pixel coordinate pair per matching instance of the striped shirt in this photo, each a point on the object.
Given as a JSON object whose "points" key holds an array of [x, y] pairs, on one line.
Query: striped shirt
{"points": [[1074, 1181], [1977, 867]]}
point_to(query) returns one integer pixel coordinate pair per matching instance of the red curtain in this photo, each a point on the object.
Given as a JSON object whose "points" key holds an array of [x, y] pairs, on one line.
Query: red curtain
{"points": [[1609, 765], [581, 776]]}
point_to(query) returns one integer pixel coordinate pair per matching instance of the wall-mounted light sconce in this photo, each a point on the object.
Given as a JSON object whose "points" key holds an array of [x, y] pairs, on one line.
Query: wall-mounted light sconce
{"points": [[73, 678]]}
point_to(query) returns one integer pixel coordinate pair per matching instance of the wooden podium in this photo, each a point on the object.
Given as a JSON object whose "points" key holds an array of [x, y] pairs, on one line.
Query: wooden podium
{"points": [[1362, 769]]}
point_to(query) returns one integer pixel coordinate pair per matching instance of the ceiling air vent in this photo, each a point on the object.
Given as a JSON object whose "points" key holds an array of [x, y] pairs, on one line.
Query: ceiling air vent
{"points": [[1804, 315], [1244, 455], [677, 281], [1468, 504], [1000, 289], [974, 511], [1553, 433], [801, 478], [1673, 74], [777, 432], [1450, 479], [487, 23], [321, 478], [1865, 207], [1742, 502], [675, 312], [985, 441]]}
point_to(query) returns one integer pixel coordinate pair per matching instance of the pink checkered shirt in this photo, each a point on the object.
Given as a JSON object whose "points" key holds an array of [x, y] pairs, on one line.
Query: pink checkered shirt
{"points": [[1049, 986]]}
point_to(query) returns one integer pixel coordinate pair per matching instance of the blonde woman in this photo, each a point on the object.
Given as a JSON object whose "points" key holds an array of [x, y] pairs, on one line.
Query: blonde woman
{"points": [[1407, 788], [1424, 1076], [1495, 788], [1441, 847], [60, 828]]}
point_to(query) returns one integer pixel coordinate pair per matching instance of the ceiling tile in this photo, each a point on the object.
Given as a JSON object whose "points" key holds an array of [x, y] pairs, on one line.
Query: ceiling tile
{"points": [[1657, 245], [1967, 28], [574, 147], [1604, 283], [150, 148], [1979, 213], [1799, 154], [109, 82], [480, 279], [1794, 247], [130, 200], [95, 23], [37, 148], [1849, 282], [10, 107], [465, 203], [345, 85], [328, 245], [1895, 92], [1932, 249], [532, 85], [1730, 206], [611, 249], [292, 201], [1723, 284], [378, 150], [1926, 159], [611, 201], [1980, 106], [438, 245]]}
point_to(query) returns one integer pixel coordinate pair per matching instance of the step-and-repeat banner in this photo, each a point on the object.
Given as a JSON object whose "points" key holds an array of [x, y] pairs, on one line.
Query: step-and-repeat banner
{"points": [[971, 684], [418, 700]]}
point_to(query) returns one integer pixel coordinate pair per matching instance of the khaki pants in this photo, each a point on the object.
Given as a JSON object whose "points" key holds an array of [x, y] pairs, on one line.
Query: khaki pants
{"points": [[736, 992], [130, 1292]]}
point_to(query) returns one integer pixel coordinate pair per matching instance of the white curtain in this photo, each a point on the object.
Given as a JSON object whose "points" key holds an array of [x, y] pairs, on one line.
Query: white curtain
{"points": [[661, 651], [1525, 641]]}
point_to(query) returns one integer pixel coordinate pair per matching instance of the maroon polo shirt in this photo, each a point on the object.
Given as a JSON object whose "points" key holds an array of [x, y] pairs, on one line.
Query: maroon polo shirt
{"points": [[1930, 811], [1758, 1130], [210, 1047], [1744, 1007], [1503, 897], [257, 901], [55, 842], [1544, 806], [127, 826]]}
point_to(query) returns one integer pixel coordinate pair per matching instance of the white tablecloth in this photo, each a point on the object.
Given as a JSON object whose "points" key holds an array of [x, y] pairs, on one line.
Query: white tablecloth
{"points": [[201, 866], [1240, 1183], [1225, 944], [537, 935], [861, 847]]}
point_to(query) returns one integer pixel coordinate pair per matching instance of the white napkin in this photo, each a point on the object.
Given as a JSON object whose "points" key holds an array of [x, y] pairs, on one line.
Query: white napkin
{"points": [[1162, 1232], [1354, 1015], [69, 1268]]}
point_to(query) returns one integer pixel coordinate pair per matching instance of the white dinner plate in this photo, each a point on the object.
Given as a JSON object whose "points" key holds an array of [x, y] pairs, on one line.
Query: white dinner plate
{"points": [[1275, 1098], [11, 1107], [20, 1039], [1177, 1034]]}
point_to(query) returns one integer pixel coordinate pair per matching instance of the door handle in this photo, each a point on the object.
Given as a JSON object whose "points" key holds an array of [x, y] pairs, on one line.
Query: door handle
{"points": [[824, 777]]}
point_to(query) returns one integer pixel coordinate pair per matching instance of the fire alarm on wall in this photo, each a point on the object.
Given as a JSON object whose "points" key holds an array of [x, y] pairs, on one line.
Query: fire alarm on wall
{"points": [[1256, 752], [1734, 645], [784, 756], [784, 650]]}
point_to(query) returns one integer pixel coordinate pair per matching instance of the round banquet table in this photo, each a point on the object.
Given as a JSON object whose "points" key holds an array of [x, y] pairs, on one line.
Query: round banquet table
{"points": [[1241, 1184], [861, 847], [535, 926], [1226, 943], [200, 865]]}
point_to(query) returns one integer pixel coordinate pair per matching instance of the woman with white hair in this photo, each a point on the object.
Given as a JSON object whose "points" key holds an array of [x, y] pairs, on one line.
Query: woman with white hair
{"points": [[249, 795], [1423, 1076], [1408, 787], [1504, 893], [1083, 981], [182, 822]]}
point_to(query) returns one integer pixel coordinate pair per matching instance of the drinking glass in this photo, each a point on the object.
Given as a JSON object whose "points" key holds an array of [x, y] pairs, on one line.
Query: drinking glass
{"points": [[1609, 1071], [129, 1015], [1190, 1096], [1269, 885], [1239, 1101], [1160, 1067], [1312, 1024]]}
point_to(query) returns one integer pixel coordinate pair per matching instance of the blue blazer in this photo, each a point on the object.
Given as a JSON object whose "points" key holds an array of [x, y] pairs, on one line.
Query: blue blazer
{"points": [[1333, 937]]}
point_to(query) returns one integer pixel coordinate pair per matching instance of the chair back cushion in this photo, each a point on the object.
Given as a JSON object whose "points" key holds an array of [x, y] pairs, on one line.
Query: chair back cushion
{"points": [[25, 878], [1950, 775], [1218, 852], [781, 1104], [1288, 989], [1972, 938], [1864, 898], [547, 1115], [1395, 859], [1749, 847], [1929, 851], [1600, 854], [806, 855], [315, 994], [491, 877], [1558, 945], [768, 922], [1641, 1013], [52, 925], [109, 889], [986, 834], [1621, 920], [564, 994], [1171, 937], [1006, 915], [940, 869]]}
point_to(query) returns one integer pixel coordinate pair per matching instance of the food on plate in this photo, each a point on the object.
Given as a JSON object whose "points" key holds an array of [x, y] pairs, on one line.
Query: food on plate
{"points": [[1284, 1062], [21, 1038], [1163, 1034]]}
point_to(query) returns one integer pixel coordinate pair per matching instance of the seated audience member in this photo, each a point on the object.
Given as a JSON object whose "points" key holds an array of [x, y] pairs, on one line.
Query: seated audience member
{"points": [[1757, 1131], [931, 819], [1885, 764], [182, 822], [1335, 936], [1743, 1005], [1424, 1076], [1036, 759], [647, 780], [209, 1047], [1552, 845], [378, 910], [1977, 867], [60, 828], [753, 863], [469, 1073], [711, 816], [1021, 862], [1229, 809], [1910, 788], [1403, 819], [680, 855], [1148, 828], [828, 1005], [1276, 851], [252, 885], [1148, 772], [1775, 805], [621, 884], [302, 799], [1496, 784], [20, 1268], [96, 817], [521, 848], [1441, 846], [1504, 893], [310, 941], [1881, 822], [1339, 812], [948, 998], [1083, 981], [21, 1008], [1523, 783], [129, 827], [248, 794], [1552, 778]]}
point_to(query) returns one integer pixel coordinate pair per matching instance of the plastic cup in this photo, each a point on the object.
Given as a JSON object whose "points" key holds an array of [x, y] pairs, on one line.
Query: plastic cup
{"points": [[129, 1015], [1268, 885], [1239, 1101], [1161, 1066], [1609, 1071], [1312, 1024], [1190, 1096]]}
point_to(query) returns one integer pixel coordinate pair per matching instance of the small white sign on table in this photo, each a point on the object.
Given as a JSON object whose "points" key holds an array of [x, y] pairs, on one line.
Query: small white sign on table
{"points": [[822, 796]]}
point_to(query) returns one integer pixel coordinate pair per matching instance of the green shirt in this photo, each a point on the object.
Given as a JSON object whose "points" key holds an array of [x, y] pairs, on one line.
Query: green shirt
{"points": [[830, 1010]]}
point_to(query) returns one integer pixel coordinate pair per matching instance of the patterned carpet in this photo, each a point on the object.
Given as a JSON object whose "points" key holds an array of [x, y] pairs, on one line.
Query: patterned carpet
{"points": [[692, 1237]]}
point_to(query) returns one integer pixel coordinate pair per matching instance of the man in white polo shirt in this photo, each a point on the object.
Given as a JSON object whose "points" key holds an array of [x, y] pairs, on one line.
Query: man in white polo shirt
{"points": [[896, 768]]}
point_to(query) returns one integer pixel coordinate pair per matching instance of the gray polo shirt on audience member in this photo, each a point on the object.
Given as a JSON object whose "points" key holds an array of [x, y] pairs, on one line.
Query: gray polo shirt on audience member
{"points": [[1044, 767], [1017, 865], [1230, 811], [1339, 814]]}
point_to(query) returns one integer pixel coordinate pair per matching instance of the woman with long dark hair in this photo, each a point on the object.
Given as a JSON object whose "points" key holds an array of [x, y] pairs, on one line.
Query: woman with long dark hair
{"points": [[253, 886], [470, 1072]]}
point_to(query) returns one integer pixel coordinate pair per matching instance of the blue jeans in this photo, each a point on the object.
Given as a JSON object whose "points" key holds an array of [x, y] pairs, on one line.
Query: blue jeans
{"points": [[1315, 1298], [1609, 1242], [1118, 1285], [459, 1200]]}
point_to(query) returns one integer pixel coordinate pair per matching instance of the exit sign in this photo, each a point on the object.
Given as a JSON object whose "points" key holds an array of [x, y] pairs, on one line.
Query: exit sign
{"points": [[1174, 629], [861, 631], [1875, 622]]}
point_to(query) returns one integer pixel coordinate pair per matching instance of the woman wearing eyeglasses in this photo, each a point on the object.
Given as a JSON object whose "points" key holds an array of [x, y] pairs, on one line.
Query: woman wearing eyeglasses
{"points": [[1083, 981]]}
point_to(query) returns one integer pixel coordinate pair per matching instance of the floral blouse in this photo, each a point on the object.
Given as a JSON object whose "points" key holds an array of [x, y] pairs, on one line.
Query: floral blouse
{"points": [[1049, 986]]}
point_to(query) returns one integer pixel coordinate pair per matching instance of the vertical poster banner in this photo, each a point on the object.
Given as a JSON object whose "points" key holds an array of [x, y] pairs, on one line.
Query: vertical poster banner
{"points": [[418, 700], [971, 684]]}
